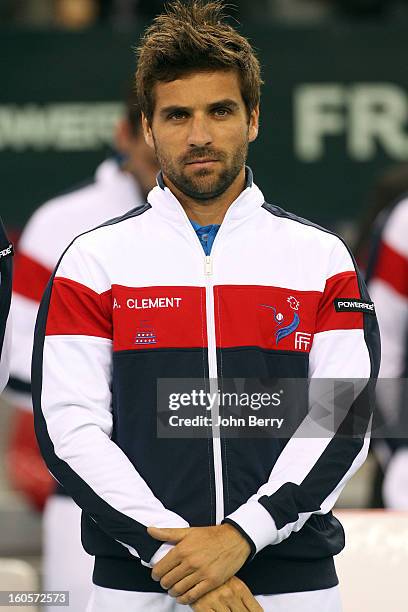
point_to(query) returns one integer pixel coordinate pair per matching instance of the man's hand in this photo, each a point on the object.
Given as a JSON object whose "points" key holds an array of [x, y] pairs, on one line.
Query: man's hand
{"points": [[203, 559], [234, 595]]}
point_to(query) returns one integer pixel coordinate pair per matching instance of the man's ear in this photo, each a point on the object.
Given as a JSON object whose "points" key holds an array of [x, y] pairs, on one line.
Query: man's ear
{"points": [[253, 124], [147, 132]]}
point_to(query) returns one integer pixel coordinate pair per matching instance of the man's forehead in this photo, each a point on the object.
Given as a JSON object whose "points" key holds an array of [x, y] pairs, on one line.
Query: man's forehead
{"points": [[199, 88]]}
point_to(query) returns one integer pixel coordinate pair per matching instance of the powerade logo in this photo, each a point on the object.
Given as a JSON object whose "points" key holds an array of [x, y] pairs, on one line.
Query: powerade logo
{"points": [[353, 305], [6, 252]]}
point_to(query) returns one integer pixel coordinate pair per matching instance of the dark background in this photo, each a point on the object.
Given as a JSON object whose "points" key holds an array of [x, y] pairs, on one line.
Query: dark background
{"points": [[93, 66]]}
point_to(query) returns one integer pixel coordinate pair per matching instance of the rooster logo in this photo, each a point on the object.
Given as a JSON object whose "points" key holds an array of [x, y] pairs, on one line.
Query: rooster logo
{"points": [[293, 302]]}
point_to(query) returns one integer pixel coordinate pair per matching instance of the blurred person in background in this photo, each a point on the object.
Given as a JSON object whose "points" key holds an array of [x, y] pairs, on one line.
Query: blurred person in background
{"points": [[67, 14], [80, 14], [321, 11], [120, 183], [6, 252], [382, 249], [125, 14], [75, 14], [389, 187], [301, 11]]}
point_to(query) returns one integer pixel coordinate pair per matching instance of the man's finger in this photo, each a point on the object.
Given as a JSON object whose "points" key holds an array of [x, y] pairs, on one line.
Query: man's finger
{"points": [[220, 607], [251, 604], [176, 575], [234, 605], [195, 593], [232, 602], [168, 534], [165, 565], [183, 584], [238, 606]]}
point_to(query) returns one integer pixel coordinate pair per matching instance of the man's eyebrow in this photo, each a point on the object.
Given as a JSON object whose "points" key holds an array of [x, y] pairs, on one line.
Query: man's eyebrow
{"points": [[225, 102], [175, 108]]}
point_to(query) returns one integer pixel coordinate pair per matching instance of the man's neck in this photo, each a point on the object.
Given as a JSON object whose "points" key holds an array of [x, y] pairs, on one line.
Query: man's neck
{"points": [[210, 211]]}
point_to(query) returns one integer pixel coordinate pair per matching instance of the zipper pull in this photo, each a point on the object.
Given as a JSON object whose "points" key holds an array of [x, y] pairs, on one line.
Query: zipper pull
{"points": [[208, 265]]}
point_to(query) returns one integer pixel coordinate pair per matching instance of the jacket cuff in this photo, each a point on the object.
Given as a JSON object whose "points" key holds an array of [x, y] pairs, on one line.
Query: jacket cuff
{"points": [[256, 524], [159, 554]]}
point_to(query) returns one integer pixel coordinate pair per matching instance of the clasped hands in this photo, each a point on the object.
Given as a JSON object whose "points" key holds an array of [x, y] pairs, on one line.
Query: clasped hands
{"points": [[200, 570]]}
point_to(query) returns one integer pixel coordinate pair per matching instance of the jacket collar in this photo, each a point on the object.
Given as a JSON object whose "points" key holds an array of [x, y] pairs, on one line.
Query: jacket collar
{"points": [[165, 203]]}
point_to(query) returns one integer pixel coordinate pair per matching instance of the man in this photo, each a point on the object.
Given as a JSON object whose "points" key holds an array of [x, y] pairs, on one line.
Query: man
{"points": [[387, 278], [214, 522], [119, 184], [6, 252]]}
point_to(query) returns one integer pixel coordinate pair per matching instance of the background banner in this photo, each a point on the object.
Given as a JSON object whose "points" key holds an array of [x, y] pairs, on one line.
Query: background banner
{"points": [[334, 113]]}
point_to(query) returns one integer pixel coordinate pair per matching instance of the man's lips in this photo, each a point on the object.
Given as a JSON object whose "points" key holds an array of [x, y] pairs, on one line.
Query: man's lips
{"points": [[201, 161]]}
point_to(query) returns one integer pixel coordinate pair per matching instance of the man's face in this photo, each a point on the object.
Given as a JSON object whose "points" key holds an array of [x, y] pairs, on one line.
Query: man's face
{"points": [[200, 132]]}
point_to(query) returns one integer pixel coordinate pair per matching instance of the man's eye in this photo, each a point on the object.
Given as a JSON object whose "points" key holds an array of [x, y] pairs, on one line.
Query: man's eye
{"points": [[177, 115], [222, 112]]}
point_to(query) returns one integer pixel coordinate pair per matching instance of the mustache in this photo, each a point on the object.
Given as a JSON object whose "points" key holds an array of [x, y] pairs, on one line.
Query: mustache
{"points": [[202, 153]]}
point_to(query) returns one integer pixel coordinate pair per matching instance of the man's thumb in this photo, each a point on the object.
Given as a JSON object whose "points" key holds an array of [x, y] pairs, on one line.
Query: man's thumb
{"points": [[167, 534]]}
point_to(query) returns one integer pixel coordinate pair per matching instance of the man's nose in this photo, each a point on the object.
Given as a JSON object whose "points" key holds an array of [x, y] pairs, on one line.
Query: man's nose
{"points": [[199, 135]]}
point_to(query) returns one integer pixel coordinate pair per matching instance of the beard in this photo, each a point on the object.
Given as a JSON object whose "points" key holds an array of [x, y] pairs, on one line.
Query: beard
{"points": [[204, 184]]}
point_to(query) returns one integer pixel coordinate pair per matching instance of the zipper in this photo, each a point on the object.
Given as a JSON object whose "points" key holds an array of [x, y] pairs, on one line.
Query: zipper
{"points": [[212, 352], [212, 356], [213, 376]]}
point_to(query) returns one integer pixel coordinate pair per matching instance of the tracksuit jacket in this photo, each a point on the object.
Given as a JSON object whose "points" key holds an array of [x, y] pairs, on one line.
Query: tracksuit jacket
{"points": [[94, 377], [6, 252]]}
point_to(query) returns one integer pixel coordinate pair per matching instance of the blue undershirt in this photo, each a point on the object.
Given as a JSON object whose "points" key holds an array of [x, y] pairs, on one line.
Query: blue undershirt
{"points": [[206, 235]]}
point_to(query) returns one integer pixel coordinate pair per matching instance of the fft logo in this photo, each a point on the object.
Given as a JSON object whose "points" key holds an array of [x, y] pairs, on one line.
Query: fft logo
{"points": [[302, 341]]}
